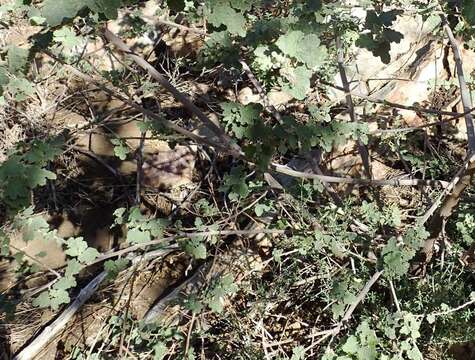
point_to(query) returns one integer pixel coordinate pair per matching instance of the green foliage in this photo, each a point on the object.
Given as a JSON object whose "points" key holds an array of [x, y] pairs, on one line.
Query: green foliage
{"points": [[324, 265], [17, 59], [214, 295], [228, 13], [120, 148], [401, 331], [234, 184], [194, 247], [114, 267], [468, 11], [465, 225], [55, 12], [305, 48], [398, 252], [67, 38], [24, 170], [140, 229], [380, 35]]}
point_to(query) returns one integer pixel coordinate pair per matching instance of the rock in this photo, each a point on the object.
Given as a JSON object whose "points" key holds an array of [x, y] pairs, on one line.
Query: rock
{"points": [[278, 98], [246, 96], [169, 168]]}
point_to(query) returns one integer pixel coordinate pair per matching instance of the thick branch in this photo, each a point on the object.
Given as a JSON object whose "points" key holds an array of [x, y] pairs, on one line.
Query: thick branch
{"points": [[464, 91]]}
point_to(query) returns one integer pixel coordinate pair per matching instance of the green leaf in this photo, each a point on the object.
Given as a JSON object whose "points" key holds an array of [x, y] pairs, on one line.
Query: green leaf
{"points": [[65, 283], [4, 244], [76, 246], [56, 11], [120, 149], [137, 236], [414, 353], [298, 353], [72, 268], [223, 287], [114, 267], [34, 227], [43, 300], [38, 176], [430, 318], [107, 7], [17, 59], [235, 184], [468, 11], [4, 79], [157, 226], [159, 351], [310, 52], [88, 255], [261, 209], [195, 248], [119, 216], [298, 82], [58, 297], [289, 43], [223, 14], [351, 346], [66, 36], [20, 88]]}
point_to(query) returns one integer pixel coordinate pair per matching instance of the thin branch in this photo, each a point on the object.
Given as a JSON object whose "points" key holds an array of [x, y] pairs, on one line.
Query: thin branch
{"points": [[461, 173], [400, 106], [361, 296], [393, 292], [349, 103], [366, 182], [464, 91], [150, 114], [54, 272], [117, 42], [166, 240], [349, 312], [190, 284], [445, 204], [188, 336], [138, 185], [96, 158], [271, 108], [450, 311]]}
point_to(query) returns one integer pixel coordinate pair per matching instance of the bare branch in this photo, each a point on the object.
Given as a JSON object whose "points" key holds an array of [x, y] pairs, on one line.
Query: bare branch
{"points": [[150, 114], [349, 103], [117, 42], [51, 331], [367, 182], [464, 91], [400, 106]]}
